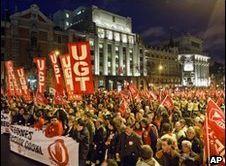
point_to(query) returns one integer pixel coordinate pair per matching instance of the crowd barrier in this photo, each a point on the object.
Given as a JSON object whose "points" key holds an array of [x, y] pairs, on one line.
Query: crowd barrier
{"points": [[5, 122]]}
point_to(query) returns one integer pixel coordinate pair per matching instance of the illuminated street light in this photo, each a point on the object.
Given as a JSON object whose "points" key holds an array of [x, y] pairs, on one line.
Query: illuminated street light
{"points": [[57, 52], [160, 67]]}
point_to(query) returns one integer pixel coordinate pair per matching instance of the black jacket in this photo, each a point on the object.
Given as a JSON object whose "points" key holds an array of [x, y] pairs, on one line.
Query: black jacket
{"points": [[82, 137]]}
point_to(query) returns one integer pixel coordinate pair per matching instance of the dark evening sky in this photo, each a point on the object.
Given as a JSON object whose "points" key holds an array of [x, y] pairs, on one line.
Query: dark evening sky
{"points": [[153, 18]]}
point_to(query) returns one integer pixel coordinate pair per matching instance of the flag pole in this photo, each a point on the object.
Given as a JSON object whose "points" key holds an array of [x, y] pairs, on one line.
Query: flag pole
{"points": [[208, 145]]}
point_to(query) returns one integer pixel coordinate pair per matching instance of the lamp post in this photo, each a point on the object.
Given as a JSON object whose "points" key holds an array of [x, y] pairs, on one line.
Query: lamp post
{"points": [[160, 68]]}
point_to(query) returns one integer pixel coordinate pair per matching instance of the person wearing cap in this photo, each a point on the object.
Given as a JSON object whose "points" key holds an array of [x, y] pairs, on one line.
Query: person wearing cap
{"points": [[129, 147], [54, 128], [167, 155], [147, 158], [81, 135], [188, 157]]}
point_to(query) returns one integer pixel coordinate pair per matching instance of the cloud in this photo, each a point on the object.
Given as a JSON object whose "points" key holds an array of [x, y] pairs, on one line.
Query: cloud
{"points": [[154, 32]]}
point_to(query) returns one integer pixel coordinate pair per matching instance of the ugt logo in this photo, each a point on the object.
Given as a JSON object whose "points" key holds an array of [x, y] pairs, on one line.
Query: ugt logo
{"points": [[216, 159], [58, 152]]}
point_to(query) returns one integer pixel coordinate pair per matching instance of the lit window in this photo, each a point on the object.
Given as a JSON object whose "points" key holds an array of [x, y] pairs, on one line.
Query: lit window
{"points": [[100, 45], [116, 48], [124, 38], [79, 12], [91, 42], [109, 64], [109, 34], [100, 33], [131, 40], [67, 15], [117, 36], [67, 23]]}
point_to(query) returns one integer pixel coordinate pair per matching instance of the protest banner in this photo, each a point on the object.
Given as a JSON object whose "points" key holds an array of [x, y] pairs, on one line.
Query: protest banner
{"points": [[5, 122], [55, 151], [81, 67]]}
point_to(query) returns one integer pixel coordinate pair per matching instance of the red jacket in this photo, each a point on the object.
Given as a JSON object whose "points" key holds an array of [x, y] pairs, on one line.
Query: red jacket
{"points": [[53, 130]]}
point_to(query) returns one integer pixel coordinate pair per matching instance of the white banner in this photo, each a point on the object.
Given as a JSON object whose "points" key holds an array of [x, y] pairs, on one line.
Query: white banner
{"points": [[56, 151], [5, 122]]}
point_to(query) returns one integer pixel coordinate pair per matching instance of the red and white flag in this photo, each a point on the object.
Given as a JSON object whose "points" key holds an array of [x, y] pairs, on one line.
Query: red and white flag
{"points": [[67, 72], [81, 67], [12, 86], [58, 98], [214, 135], [168, 103], [41, 72], [134, 91], [23, 84]]}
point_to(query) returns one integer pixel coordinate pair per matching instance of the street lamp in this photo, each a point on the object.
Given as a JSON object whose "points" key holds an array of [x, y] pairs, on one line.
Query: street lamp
{"points": [[160, 69]]}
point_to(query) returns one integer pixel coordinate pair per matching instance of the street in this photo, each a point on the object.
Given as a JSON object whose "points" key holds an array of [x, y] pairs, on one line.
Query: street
{"points": [[9, 158]]}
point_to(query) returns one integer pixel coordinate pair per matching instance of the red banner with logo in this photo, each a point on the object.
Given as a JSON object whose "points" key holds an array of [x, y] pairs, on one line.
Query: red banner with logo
{"points": [[23, 84], [58, 99], [81, 67], [67, 72], [168, 103], [12, 86], [214, 135], [41, 72]]}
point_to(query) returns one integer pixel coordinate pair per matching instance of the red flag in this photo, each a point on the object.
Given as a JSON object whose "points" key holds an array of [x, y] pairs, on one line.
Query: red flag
{"points": [[41, 68], [168, 103], [23, 83], [81, 67], [133, 90], [220, 101], [214, 135], [67, 72], [58, 98], [122, 107]]}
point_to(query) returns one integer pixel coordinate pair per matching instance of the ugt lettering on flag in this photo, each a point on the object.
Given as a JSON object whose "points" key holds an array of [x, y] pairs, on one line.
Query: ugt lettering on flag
{"points": [[81, 67]]}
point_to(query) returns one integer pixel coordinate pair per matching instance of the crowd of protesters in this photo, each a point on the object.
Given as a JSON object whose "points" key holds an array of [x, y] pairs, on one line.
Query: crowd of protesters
{"points": [[145, 135]]}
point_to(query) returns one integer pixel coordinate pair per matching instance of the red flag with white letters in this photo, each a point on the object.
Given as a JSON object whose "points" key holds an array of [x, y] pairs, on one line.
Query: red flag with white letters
{"points": [[67, 72], [168, 103], [214, 135], [58, 98], [12, 86], [23, 84], [41, 72], [81, 67]]}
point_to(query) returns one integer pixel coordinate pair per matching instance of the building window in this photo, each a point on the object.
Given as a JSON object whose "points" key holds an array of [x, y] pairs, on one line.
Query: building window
{"points": [[59, 39], [117, 36], [33, 39], [67, 23], [67, 15], [2, 31], [124, 38], [113, 18], [91, 42], [109, 58], [109, 34], [131, 39], [195, 44], [101, 33], [2, 43], [79, 12], [101, 58]]}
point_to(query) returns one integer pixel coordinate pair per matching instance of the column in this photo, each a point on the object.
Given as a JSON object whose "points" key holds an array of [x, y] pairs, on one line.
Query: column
{"points": [[120, 57], [127, 61], [105, 58], [135, 61], [113, 66], [96, 56]]}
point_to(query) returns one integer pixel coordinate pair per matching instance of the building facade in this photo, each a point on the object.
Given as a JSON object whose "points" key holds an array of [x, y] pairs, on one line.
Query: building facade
{"points": [[162, 66], [117, 52], [30, 34], [194, 62]]}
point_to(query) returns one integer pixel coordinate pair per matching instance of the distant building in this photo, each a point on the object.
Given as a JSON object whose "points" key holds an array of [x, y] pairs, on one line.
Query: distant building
{"points": [[29, 34], [163, 67], [217, 74], [194, 62], [117, 52]]}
